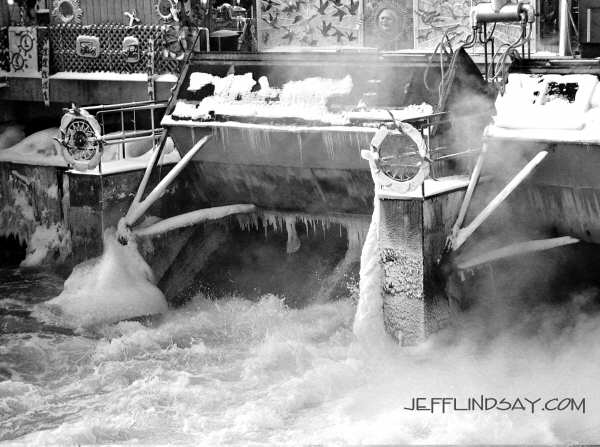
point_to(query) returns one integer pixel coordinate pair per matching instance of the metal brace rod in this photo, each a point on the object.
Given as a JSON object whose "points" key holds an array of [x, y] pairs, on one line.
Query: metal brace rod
{"points": [[519, 248], [193, 218], [463, 234], [468, 196], [149, 168], [138, 208]]}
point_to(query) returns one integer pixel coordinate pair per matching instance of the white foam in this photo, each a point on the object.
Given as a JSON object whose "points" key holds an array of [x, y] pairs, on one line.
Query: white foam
{"points": [[242, 373], [114, 287]]}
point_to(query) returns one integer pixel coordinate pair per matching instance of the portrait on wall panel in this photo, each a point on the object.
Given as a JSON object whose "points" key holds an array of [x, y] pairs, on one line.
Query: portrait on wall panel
{"points": [[388, 24]]}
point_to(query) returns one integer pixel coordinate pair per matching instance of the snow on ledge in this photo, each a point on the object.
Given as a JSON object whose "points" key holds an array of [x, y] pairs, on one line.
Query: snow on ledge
{"points": [[130, 164], [585, 136], [100, 76], [93, 76], [169, 121], [10, 74]]}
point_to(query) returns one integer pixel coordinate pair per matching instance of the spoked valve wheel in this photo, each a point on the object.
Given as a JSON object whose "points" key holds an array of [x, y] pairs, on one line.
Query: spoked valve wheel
{"points": [[80, 138], [398, 158]]}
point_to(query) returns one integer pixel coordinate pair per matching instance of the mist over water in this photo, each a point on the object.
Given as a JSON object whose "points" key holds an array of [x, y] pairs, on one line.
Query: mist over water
{"points": [[239, 372]]}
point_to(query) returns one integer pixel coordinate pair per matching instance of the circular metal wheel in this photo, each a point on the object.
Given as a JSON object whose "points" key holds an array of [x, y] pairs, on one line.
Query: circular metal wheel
{"points": [[399, 158], [26, 42], [17, 61], [164, 9], [80, 140], [67, 11]]}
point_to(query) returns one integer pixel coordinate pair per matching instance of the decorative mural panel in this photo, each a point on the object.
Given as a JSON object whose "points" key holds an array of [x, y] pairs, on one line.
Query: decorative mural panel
{"points": [[111, 57], [433, 18], [388, 24], [23, 49], [309, 23]]}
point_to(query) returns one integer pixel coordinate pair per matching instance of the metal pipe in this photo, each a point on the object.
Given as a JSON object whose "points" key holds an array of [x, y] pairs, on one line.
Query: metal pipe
{"points": [[193, 218], [149, 168], [116, 106], [122, 133], [468, 195], [519, 248], [207, 37], [485, 52], [111, 141], [563, 26], [512, 12], [466, 232], [112, 138], [137, 210]]}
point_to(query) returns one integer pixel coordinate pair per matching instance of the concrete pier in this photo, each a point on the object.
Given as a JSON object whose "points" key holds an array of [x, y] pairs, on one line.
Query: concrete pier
{"points": [[413, 229]]}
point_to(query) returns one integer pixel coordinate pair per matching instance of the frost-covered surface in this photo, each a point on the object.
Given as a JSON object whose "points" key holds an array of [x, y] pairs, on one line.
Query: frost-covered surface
{"points": [[549, 107], [369, 321], [137, 157], [356, 226], [116, 286], [234, 96], [30, 208], [48, 244], [38, 149], [100, 76], [239, 96], [11, 135]]}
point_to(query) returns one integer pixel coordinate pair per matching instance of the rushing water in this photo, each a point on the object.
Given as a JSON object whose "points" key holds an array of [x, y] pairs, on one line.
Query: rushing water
{"points": [[242, 372]]}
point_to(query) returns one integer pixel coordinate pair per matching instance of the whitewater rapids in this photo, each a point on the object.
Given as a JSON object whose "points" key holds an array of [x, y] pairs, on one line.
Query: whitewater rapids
{"points": [[241, 372]]}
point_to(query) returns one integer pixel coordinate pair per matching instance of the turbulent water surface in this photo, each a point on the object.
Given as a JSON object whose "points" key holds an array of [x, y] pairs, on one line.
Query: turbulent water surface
{"points": [[242, 372]]}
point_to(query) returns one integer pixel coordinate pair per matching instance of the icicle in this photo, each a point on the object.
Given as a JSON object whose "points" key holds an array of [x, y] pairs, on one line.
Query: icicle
{"points": [[356, 226], [293, 241], [330, 143]]}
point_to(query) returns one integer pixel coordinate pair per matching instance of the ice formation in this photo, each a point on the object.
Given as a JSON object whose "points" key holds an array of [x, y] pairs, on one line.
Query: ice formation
{"points": [[368, 325], [31, 210], [48, 241], [234, 96], [560, 107], [355, 226], [39, 149], [10, 135], [112, 164], [116, 286], [237, 97]]}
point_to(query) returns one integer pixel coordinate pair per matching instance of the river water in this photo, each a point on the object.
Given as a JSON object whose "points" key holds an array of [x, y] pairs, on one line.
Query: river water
{"points": [[235, 371]]}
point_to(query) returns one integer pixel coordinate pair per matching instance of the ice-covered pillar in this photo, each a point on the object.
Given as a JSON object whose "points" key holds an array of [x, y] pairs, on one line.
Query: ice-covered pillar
{"points": [[414, 217], [412, 233]]}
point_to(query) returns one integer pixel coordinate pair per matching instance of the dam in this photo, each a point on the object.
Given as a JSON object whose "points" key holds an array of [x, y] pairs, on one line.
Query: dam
{"points": [[297, 222]]}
